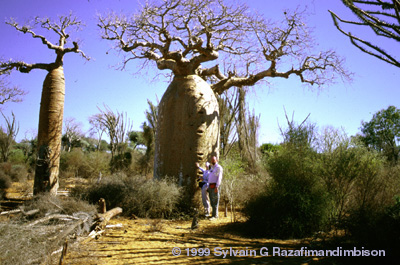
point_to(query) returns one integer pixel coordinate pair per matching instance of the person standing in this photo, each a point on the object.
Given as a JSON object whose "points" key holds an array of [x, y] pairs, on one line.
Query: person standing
{"points": [[204, 188], [214, 180]]}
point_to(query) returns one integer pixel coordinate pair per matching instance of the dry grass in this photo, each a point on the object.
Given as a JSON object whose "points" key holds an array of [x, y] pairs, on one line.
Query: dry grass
{"points": [[31, 239]]}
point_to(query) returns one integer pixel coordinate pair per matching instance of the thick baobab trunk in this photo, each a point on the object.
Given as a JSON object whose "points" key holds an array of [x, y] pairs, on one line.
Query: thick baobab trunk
{"points": [[187, 132], [50, 132]]}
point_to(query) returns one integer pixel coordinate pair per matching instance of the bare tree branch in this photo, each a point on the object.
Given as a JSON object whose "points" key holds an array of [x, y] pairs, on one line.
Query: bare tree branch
{"points": [[281, 46], [9, 93], [59, 28], [384, 20], [177, 35], [183, 35]]}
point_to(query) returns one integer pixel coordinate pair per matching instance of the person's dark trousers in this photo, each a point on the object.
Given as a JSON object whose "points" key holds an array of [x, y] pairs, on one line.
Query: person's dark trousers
{"points": [[214, 201]]}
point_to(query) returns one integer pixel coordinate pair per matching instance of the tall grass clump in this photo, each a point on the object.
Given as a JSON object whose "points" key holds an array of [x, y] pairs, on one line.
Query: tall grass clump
{"points": [[135, 195]]}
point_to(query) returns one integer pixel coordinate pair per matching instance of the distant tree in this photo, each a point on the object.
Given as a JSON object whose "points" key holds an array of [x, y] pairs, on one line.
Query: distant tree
{"points": [[152, 116], [136, 138], [7, 136], [268, 148], [247, 125], [228, 108], [185, 36], [299, 136], [9, 93], [149, 135], [116, 125], [52, 102], [383, 17], [97, 128], [382, 132], [72, 133]]}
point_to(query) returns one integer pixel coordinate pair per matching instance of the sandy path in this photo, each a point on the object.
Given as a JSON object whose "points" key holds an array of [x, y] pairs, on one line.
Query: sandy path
{"points": [[145, 241]]}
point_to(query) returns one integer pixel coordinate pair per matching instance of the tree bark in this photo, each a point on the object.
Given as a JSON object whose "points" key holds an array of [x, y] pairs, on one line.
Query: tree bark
{"points": [[187, 132], [50, 132]]}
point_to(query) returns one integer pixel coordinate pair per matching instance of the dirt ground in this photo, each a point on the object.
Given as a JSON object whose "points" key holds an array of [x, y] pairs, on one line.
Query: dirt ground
{"points": [[145, 241]]}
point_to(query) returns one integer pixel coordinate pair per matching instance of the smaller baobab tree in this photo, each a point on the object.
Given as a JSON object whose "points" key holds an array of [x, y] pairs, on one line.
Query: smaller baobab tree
{"points": [[53, 92]]}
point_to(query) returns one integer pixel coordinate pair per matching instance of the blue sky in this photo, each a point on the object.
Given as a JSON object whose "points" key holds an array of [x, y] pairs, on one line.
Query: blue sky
{"points": [[97, 82]]}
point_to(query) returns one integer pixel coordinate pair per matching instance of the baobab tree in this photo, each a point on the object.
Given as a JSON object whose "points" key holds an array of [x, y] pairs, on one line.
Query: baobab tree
{"points": [[186, 37], [52, 101]]}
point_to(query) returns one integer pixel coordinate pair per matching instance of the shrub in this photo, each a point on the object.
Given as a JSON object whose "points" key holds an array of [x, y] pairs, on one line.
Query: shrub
{"points": [[238, 186], [84, 165], [5, 183], [350, 174], [46, 204], [121, 162], [113, 190], [377, 230], [6, 167], [18, 173], [294, 203], [373, 219], [98, 162], [17, 156], [135, 195]]}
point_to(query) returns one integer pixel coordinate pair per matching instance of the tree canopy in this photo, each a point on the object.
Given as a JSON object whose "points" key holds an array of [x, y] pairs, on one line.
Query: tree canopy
{"points": [[382, 132], [186, 36], [60, 28]]}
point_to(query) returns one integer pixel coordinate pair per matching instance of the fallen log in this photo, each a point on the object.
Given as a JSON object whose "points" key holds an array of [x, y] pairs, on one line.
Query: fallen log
{"points": [[31, 212], [103, 219], [100, 224], [11, 212]]}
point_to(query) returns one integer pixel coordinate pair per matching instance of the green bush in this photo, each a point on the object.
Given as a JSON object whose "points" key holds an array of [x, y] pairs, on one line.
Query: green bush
{"points": [[351, 175], [294, 204], [17, 156], [238, 185], [121, 162], [135, 195], [84, 165]]}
